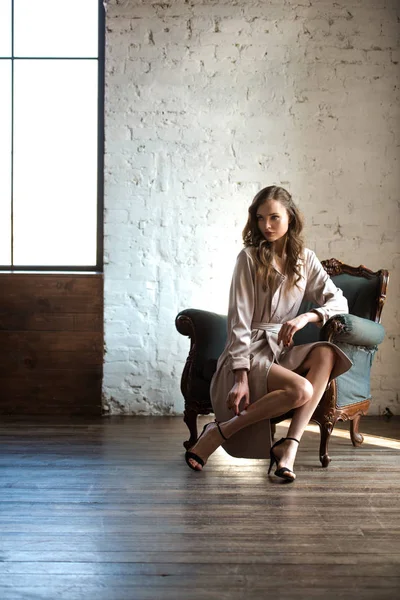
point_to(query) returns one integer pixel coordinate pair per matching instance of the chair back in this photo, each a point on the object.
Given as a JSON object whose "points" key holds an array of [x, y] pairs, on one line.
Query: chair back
{"points": [[364, 290]]}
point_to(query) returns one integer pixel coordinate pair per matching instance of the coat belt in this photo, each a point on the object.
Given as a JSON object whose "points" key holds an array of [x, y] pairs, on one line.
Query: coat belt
{"points": [[270, 327]]}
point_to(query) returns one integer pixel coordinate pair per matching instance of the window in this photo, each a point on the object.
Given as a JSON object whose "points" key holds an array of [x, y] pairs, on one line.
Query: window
{"points": [[51, 142]]}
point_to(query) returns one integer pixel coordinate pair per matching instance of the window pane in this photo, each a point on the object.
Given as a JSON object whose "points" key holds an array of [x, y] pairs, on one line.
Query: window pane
{"points": [[56, 28], [55, 162], [5, 162], [5, 27]]}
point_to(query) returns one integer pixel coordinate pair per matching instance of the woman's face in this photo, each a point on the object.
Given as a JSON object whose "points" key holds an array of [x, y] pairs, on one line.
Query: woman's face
{"points": [[272, 220]]}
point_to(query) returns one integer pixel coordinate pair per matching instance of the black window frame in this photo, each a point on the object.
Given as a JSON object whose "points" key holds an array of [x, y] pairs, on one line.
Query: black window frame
{"points": [[98, 267]]}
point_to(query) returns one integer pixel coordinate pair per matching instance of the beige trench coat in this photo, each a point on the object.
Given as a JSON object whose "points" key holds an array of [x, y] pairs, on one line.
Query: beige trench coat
{"points": [[254, 319]]}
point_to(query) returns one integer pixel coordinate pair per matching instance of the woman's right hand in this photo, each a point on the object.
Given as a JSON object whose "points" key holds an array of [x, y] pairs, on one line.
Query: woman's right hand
{"points": [[240, 391]]}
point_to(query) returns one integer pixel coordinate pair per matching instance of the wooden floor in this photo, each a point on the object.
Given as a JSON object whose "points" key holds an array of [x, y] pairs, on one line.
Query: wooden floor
{"points": [[106, 509]]}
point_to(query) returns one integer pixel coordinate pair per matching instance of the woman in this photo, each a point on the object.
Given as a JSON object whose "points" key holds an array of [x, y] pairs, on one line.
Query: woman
{"points": [[260, 374]]}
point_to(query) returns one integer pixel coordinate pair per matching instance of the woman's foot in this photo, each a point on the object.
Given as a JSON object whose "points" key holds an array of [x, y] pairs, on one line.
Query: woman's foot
{"points": [[285, 454], [210, 439]]}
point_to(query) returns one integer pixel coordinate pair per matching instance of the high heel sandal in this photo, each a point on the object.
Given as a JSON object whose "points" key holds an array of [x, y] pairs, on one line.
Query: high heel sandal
{"points": [[283, 472], [194, 456]]}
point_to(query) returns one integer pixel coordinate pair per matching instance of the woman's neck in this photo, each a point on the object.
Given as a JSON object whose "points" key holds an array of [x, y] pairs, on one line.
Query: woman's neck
{"points": [[280, 248]]}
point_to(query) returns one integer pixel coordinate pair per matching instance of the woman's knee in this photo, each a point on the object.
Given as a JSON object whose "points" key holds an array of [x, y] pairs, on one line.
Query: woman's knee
{"points": [[323, 354], [301, 392]]}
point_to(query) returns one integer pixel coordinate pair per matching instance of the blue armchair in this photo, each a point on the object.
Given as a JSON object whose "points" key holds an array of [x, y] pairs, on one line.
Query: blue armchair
{"points": [[357, 333]]}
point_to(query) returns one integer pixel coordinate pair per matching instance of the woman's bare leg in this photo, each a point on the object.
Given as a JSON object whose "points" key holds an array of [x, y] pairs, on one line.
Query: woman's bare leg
{"points": [[288, 390], [319, 365]]}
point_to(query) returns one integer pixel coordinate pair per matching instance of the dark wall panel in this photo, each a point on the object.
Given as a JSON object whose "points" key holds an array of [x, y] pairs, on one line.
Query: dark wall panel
{"points": [[51, 343]]}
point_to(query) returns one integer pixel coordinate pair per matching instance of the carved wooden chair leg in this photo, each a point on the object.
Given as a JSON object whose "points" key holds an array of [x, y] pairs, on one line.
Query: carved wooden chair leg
{"points": [[326, 430], [190, 418], [273, 431], [356, 437]]}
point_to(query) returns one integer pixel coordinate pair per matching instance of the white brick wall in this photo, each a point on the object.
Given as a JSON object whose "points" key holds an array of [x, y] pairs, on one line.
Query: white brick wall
{"points": [[208, 101]]}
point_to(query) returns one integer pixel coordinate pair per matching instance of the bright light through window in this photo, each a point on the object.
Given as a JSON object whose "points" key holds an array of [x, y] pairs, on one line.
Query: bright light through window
{"points": [[55, 162], [5, 28], [49, 133], [5, 162], [55, 28]]}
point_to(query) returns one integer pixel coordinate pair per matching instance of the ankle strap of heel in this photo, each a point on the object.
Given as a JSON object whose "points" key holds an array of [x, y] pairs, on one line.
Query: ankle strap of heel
{"points": [[294, 439], [219, 429]]}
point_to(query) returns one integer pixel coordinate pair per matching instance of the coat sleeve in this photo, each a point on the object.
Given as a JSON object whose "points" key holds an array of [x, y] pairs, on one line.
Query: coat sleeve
{"points": [[240, 312], [321, 290]]}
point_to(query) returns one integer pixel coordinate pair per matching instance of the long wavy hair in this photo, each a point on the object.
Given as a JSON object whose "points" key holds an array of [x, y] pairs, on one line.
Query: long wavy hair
{"points": [[263, 249]]}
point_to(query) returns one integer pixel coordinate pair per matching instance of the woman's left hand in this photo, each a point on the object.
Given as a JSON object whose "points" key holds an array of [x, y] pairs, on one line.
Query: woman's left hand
{"points": [[289, 328]]}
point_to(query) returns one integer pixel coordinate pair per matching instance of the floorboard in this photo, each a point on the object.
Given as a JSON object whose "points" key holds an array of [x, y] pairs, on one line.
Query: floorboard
{"points": [[106, 509]]}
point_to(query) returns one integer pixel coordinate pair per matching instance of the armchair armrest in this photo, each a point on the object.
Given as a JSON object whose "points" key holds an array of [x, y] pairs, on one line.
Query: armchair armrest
{"points": [[350, 329], [207, 332], [207, 327]]}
